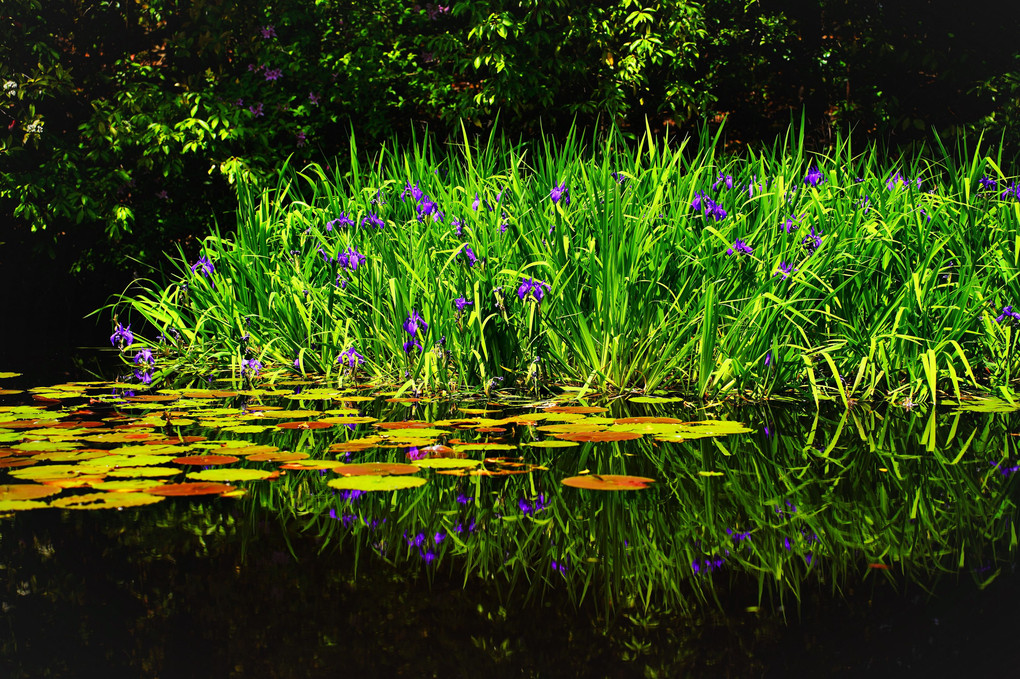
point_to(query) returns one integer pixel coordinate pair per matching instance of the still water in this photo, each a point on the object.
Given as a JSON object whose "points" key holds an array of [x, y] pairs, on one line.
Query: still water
{"points": [[518, 537]]}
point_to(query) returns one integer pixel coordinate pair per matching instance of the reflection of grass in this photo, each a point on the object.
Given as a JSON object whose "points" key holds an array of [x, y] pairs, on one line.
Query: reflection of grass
{"points": [[843, 276], [839, 500]]}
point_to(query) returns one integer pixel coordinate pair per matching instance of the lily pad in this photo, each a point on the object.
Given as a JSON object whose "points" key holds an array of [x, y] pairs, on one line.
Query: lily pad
{"points": [[447, 463], [143, 472], [105, 500], [206, 460], [190, 489], [598, 436], [128, 485], [232, 474], [19, 505], [26, 491], [370, 483], [313, 424], [552, 443], [374, 469], [277, 456], [607, 482]]}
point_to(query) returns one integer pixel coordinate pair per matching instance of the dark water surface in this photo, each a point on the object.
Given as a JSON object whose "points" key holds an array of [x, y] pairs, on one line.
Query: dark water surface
{"points": [[816, 544]]}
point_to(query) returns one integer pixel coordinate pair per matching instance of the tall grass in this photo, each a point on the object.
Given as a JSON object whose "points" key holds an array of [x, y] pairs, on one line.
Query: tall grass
{"points": [[862, 276]]}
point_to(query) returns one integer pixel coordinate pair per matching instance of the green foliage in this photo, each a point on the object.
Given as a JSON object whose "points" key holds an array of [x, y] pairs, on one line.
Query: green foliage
{"points": [[856, 284]]}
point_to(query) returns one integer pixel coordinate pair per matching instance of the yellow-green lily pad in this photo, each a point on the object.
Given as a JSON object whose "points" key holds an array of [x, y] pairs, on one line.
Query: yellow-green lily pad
{"points": [[376, 483]]}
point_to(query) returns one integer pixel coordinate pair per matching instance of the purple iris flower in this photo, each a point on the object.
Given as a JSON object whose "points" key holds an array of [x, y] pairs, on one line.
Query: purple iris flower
{"points": [[412, 344], [533, 286], [372, 219], [785, 270], [462, 303], [342, 220], [723, 179], [144, 357], [814, 176], [739, 246], [1013, 190], [812, 241], [558, 193], [414, 323], [790, 225], [988, 183], [477, 201], [1007, 312], [351, 259], [351, 357], [458, 227], [205, 265], [427, 207], [470, 255], [122, 336], [145, 377], [414, 192]]}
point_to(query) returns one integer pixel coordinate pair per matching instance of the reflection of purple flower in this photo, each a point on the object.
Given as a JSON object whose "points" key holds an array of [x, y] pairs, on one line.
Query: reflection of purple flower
{"points": [[313, 98], [256, 110], [268, 32], [531, 508], [302, 139], [251, 366], [415, 453], [274, 73], [464, 499], [145, 377], [144, 357]]}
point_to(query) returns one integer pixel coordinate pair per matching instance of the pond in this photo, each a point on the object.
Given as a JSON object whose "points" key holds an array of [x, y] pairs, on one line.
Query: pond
{"points": [[291, 528]]}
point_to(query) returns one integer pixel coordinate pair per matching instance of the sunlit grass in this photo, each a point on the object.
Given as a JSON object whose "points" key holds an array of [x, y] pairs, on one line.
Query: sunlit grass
{"points": [[659, 266]]}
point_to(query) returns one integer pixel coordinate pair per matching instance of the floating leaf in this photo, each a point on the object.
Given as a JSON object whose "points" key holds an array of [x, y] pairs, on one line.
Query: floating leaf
{"points": [[191, 489], [4, 375], [144, 472], [105, 500], [348, 420], [13, 462], [19, 505], [989, 405], [26, 491], [304, 425], [374, 469], [470, 447], [447, 463], [48, 471], [552, 443], [206, 460], [309, 464], [43, 446], [576, 410], [70, 456], [598, 436], [376, 483], [607, 482], [407, 424], [127, 485], [278, 456], [648, 420], [232, 474], [247, 428]]}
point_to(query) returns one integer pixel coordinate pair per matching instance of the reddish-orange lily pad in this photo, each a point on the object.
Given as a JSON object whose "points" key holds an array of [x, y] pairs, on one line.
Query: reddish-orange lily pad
{"points": [[279, 456], [608, 482], [648, 420], [375, 469], [189, 489], [206, 460], [26, 491], [598, 436]]}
